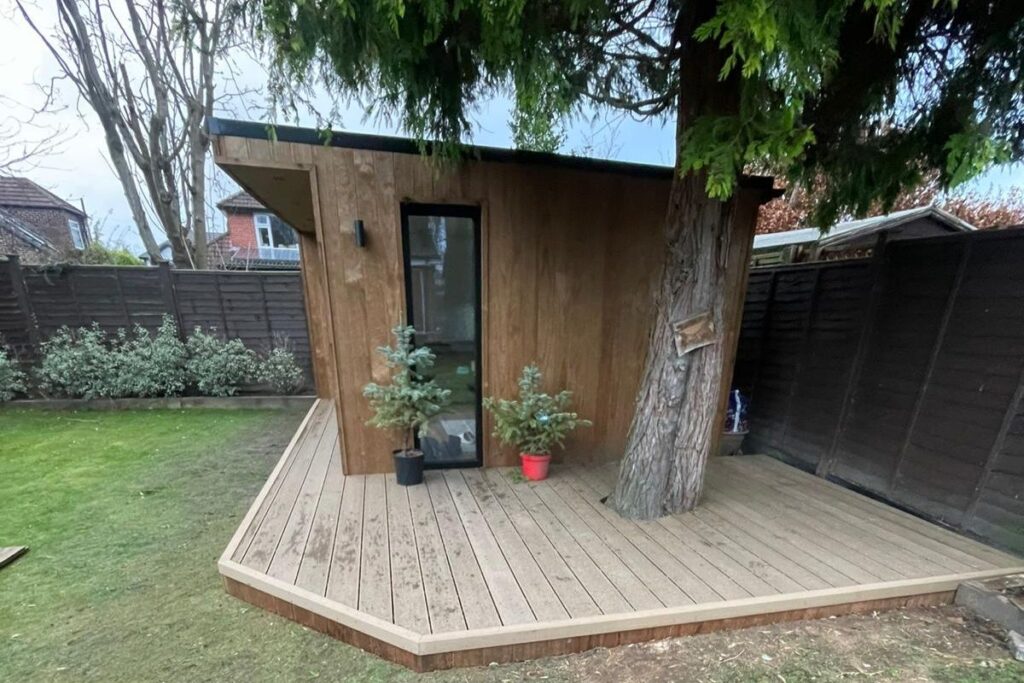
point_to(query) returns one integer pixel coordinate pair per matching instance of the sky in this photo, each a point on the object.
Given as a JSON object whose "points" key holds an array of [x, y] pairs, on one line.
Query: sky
{"points": [[80, 172]]}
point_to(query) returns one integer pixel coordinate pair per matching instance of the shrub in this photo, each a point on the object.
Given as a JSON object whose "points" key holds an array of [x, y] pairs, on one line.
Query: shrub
{"points": [[97, 254], [409, 401], [77, 364], [280, 370], [12, 379], [535, 422], [148, 365], [216, 367]]}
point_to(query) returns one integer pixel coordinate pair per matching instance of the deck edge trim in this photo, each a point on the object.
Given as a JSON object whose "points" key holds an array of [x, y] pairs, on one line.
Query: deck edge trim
{"points": [[317, 604], [441, 643], [672, 616]]}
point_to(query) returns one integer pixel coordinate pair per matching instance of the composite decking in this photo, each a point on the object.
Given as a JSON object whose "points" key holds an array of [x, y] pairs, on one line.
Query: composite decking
{"points": [[478, 565]]}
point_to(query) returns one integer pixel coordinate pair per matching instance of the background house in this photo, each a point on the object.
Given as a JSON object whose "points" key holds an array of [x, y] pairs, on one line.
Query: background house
{"points": [[256, 239], [854, 239], [19, 238], [38, 225]]}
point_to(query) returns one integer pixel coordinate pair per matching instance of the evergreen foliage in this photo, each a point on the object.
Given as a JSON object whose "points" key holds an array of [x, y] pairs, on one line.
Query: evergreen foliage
{"points": [[408, 402], [871, 95], [12, 379], [97, 254], [217, 367], [146, 365], [535, 422], [279, 369], [76, 364]]}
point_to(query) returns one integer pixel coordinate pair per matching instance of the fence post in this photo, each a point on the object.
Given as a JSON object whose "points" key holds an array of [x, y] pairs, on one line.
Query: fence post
{"points": [[947, 313], [24, 303], [170, 297], [876, 271]]}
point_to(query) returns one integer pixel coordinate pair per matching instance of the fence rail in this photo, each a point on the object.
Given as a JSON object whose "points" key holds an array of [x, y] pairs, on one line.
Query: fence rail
{"points": [[260, 308], [902, 374]]}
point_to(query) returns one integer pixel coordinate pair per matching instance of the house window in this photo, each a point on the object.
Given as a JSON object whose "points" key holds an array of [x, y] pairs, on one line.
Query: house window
{"points": [[276, 240], [75, 228]]}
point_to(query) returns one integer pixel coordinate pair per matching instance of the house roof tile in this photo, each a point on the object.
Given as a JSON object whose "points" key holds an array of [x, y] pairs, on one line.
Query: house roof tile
{"points": [[23, 193], [240, 200]]}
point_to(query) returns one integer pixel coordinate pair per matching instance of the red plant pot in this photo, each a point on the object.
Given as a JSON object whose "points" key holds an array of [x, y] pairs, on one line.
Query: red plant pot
{"points": [[535, 467]]}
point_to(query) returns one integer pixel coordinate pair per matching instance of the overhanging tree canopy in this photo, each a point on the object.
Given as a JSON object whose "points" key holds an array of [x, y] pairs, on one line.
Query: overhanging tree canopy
{"points": [[869, 95]]}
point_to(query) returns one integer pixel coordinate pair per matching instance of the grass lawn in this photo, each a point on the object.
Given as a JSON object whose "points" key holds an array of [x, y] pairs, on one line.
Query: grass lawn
{"points": [[127, 512]]}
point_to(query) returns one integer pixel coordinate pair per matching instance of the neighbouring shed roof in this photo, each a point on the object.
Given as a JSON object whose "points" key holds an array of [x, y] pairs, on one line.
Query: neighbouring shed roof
{"points": [[849, 230], [23, 193], [240, 200], [24, 232], [399, 145]]}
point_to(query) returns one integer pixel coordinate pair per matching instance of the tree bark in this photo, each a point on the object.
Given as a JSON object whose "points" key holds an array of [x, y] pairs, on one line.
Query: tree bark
{"points": [[677, 419]]}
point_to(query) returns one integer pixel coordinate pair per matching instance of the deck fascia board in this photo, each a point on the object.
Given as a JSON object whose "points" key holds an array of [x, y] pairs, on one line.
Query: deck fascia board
{"points": [[317, 604], [456, 641]]}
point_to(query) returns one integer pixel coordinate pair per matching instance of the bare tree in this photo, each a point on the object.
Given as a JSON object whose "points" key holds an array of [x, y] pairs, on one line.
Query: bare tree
{"points": [[149, 70], [24, 140]]}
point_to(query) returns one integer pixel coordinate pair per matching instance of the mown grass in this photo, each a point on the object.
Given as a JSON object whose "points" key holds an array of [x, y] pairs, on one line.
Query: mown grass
{"points": [[125, 514]]}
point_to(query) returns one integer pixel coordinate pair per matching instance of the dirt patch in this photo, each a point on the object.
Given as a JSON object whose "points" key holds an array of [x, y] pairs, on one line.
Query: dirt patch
{"points": [[929, 644]]}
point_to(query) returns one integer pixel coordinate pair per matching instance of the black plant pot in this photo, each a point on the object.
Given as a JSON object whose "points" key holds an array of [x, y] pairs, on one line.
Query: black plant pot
{"points": [[408, 467]]}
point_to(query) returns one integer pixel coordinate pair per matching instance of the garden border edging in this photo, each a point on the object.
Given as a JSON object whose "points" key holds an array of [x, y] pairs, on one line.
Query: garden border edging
{"points": [[167, 403]]}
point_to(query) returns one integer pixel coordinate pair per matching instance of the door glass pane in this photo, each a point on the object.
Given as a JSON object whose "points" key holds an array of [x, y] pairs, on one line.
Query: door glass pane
{"points": [[443, 289]]}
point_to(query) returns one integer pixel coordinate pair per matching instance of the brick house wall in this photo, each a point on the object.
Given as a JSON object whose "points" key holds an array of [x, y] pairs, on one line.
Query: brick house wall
{"points": [[241, 229], [51, 224]]}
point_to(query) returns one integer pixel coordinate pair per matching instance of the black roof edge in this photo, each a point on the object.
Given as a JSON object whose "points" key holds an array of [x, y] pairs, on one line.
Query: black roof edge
{"points": [[399, 145]]}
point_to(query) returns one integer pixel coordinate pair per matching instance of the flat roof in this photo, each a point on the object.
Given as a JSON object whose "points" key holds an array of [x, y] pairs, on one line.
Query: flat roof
{"points": [[400, 145]]}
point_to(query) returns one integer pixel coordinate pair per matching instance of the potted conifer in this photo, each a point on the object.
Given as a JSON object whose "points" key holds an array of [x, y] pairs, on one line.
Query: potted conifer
{"points": [[534, 423], [408, 402]]}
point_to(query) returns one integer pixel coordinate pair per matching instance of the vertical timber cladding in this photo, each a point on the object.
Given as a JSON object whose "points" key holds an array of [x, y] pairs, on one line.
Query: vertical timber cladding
{"points": [[569, 260], [567, 275]]}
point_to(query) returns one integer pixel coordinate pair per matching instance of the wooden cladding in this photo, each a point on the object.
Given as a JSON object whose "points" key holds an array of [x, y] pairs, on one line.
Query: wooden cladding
{"points": [[901, 374], [569, 259]]}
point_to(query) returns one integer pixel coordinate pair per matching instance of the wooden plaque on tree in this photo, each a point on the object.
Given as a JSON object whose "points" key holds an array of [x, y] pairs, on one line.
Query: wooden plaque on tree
{"points": [[694, 332]]}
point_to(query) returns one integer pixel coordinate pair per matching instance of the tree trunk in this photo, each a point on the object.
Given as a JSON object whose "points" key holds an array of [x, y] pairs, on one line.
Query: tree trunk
{"points": [[677, 419]]}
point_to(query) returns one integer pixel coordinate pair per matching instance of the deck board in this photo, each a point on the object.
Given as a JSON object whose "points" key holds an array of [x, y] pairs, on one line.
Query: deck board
{"points": [[597, 586], [346, 558], [375, 558], [316, 557], [530, 577], [478, 558], [477, 604], [443, 605], [410, 603]]}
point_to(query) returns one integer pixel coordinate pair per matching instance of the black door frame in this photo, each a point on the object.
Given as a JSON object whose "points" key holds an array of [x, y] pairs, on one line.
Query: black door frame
{"points": [[454, 211]]}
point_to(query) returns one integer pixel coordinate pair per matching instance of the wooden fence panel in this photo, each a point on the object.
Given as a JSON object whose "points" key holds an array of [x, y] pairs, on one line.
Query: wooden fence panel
{"points": [[16, 325], [826, 360], [260, 308], [906, 377], [908, 319]]}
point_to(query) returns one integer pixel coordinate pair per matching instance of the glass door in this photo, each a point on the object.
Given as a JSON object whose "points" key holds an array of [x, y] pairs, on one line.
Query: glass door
{"points": [[441, 244]]}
